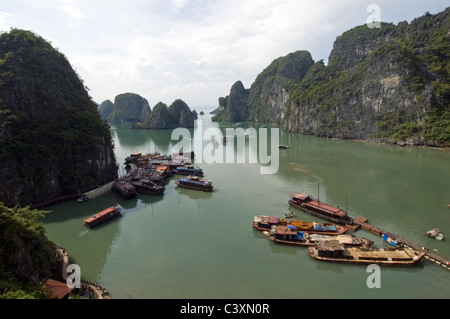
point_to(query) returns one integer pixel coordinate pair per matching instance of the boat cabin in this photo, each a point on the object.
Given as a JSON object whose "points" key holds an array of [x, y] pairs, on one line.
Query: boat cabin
{"points": [[330, 248]]}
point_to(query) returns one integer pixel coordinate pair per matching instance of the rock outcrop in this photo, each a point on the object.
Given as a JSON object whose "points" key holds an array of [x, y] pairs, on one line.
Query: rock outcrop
{"points": [[389, 84], [52, 139], [127, 107], [178, 114]]}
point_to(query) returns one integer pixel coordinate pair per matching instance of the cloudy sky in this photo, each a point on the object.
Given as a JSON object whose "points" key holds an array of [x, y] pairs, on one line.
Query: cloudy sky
{"points": [[191, 49]]}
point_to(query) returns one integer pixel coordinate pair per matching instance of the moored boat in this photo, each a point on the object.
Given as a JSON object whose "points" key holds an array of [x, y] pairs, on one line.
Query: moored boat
{"points": [[263, 222], [336, 252], [291, 236], [316, 208], [193, 182], [188, 170], [102, 216], [145, 186], [125, 189]]}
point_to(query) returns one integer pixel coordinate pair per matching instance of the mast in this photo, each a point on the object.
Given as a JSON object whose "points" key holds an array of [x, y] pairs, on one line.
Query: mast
{"points": [[318, 201]]}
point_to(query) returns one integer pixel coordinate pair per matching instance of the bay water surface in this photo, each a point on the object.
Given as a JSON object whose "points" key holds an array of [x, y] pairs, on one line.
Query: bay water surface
{"points": [[189, 244]]}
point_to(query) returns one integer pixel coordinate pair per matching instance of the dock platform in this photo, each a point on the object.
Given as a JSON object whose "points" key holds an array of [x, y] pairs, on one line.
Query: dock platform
{"points": [[362, 222]]}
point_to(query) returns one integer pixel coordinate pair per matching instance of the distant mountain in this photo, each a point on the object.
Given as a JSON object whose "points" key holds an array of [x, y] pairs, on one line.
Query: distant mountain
{"points": [[178, 114], [390, 84], [52, 139], [127, 107]]}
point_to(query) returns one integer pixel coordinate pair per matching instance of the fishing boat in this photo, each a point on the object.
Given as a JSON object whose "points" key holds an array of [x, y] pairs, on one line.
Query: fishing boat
{"points": [[435, 233], [336, 252], [125, 189], [291, 236], [188, 170], [193, 182], [102, 216], [282, 146], [316, 208], [263, 222], [145, 186], [289, 214]]}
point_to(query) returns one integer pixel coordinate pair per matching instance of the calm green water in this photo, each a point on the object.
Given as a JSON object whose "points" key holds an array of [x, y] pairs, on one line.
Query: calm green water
{"points": [[189, 244]]}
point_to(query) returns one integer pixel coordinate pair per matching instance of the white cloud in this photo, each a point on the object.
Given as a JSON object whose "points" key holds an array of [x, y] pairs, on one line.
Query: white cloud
{"points": [[193, 50]]}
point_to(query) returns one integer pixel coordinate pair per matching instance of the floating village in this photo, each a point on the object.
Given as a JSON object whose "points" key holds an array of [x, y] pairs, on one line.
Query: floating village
{"points": [[329, 241]]}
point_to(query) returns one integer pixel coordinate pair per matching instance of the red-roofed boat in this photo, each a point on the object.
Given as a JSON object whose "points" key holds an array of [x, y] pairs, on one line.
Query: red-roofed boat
{"points": [[316, 208], [102, 216]]}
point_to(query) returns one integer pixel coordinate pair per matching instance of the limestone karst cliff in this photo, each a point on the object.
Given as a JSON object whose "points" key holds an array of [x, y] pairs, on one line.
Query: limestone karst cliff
{"points": [[127, 107], [178, 114], [52, 140]]}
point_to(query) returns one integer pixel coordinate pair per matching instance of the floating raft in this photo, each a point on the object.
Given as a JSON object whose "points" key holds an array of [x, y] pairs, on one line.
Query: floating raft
{"points": [[361, 222]]}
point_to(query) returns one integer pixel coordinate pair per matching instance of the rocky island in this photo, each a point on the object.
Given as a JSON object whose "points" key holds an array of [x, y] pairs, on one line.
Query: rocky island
{"points": [[52, 139], [178, 114], [389, 84], [127, 107]]}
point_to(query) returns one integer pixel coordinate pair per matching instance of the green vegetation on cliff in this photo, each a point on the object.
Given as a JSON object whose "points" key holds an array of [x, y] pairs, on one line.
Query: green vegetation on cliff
{"points": [[178, 114], [389, 83], [27, 257], [127, 107], [52, 139]]}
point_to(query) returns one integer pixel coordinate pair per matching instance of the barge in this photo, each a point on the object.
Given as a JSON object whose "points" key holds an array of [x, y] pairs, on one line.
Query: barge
{"points": [[102, 216], [316, 208], [291, 236], [193, 182], [146, 186], [263, 222], [336, 252], [125, 189]]}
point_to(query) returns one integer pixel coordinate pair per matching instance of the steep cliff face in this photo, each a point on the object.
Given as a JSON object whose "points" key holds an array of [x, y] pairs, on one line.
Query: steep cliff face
{"points": [[129, 107], [389, 83], [178, 114], [105, 109], [52, 140], [234, 107]]}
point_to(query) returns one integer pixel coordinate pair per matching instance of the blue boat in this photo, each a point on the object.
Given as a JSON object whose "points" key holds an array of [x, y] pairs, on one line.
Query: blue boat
{"points": [[189, 170], [193, 182]]}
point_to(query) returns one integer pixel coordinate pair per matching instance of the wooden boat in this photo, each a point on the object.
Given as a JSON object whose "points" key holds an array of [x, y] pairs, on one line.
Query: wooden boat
{"points": [[282, 146], [102, 216], [188, 170], [263, 222], [83, 198], [193, 182], [291, 236], [145, 186], [289, 214], [316, 208], [435, 233], [125, 189], [336, 252]]}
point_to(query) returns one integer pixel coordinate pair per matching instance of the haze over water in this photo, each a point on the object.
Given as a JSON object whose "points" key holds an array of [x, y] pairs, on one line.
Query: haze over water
{"points": [[191, 244]]}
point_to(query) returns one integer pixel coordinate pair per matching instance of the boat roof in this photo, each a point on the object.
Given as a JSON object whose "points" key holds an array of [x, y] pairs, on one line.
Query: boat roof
{"points": [[286, 230], [100, 214], [299, 196]]}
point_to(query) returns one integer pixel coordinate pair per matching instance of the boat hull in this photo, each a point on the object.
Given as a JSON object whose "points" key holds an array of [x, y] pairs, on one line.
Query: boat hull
{"points": [[195, 187], [352, 257], [102, 218], [335, 219], [148, 189]]}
